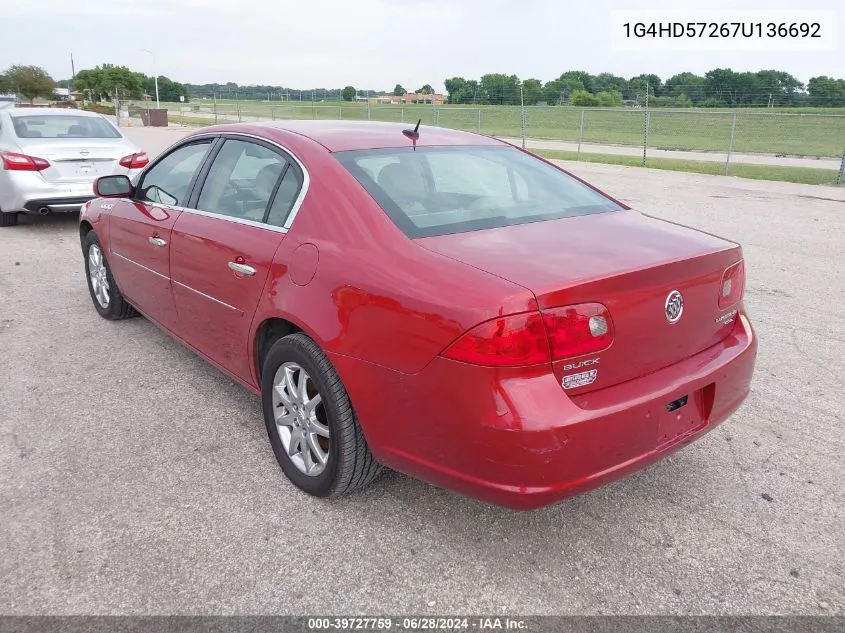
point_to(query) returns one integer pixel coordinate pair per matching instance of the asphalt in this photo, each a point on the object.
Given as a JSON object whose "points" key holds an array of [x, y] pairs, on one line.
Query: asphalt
{"points": [[136, 479]]}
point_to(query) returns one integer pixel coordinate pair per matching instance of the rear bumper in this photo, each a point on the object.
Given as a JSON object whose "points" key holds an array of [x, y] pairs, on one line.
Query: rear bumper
{"points": [[28, 192], [514, 438]]}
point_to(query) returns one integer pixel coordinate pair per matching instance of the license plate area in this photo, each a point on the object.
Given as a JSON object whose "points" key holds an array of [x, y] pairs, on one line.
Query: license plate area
{"points": [[684, 415]]}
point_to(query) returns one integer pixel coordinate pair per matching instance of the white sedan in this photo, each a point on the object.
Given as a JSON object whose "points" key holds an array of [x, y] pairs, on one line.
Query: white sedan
{"points": [[50, 157]]}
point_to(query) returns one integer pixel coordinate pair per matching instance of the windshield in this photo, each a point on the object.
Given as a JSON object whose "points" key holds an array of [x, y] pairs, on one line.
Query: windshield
{"points": [[440, 190], [63, 126]]}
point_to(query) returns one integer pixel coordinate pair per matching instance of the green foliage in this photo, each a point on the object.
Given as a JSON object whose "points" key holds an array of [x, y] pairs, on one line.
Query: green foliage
{"points": [[348, 93], [584, 99], [399, 91], [532, 91], [426, 90], [29, 82], [827, 91]]}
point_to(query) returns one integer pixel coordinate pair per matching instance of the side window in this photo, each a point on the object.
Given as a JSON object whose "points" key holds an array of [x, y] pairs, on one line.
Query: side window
{"points": [[285, 196], [168, 180], [241, 180]]}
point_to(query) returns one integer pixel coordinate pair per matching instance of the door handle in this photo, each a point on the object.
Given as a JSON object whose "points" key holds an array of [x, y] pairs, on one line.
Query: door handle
{"points": [[157, 241], [242, 268]]}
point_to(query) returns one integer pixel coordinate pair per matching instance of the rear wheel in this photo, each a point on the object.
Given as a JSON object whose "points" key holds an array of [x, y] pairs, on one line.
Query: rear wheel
{"points": [[310, 422], [107, 299], [8, 219]]}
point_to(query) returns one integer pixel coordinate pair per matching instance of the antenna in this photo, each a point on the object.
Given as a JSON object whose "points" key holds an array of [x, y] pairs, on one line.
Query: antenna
{"points": [[413, 134]]}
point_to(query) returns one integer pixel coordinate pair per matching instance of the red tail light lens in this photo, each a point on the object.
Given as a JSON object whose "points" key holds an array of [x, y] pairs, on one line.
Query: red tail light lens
{"points": [[135, 161], [508, 341], [733, 285], [22, 162], [579, 329]]}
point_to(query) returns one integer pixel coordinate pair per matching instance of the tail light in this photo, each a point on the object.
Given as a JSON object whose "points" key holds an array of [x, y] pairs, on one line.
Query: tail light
{"points": [[519, 339], [22, 162], [733, 285], [533, 338], [577, 330], [135, 161]]}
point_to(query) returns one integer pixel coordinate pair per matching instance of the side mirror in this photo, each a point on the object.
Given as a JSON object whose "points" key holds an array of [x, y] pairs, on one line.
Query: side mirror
{"points": [[118, 186]]}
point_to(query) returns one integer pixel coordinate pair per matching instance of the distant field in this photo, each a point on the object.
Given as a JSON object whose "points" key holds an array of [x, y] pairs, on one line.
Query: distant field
{"points": [[802, 132]]}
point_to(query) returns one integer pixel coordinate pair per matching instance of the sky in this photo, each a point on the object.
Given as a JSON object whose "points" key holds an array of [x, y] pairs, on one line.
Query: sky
{"points": [[373, 44]]}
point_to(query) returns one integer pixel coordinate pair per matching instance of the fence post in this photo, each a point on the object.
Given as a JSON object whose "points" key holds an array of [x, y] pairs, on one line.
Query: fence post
{"points": [[215, 108], [731, 145], [841, 170], [238, 104], [340, 113], [522, 108], [369, 117], [479, 120], [117, 107], [646, 125], [580, 134], [436, 116], [272, 113]]}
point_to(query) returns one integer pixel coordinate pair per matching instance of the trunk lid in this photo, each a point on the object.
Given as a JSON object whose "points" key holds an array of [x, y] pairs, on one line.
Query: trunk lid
{"points": [[625, 260], [77, 160]]}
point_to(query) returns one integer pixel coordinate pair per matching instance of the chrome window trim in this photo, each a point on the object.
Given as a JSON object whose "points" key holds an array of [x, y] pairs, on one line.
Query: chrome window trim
{"points": [[297, 204]]}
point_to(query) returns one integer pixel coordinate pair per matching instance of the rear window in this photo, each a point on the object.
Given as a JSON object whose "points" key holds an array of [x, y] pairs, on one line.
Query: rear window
{"points": [[440, 190], [62, 126]]}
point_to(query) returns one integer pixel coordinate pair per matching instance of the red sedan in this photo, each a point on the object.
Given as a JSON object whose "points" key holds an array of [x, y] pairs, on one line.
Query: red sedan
{"points": [[433, 301]]}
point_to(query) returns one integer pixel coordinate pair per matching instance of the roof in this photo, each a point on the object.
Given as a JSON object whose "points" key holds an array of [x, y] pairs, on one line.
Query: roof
{"points": [[338, 136], [50, 112]]}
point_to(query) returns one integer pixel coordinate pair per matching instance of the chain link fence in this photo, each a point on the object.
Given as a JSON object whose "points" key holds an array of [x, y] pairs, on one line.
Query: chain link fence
{"points": [[632, 134]]}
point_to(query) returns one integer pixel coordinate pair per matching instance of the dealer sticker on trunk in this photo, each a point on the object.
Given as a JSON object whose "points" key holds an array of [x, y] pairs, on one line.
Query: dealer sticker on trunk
{"points": [[579, 380]]}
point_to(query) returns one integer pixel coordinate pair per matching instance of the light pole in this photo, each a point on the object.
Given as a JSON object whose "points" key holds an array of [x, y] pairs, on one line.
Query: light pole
{"points": [[155, 76]]}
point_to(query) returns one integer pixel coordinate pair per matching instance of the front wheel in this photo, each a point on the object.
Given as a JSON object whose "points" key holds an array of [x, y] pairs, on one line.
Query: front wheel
{"points": [[107, 299], [310, 422]]}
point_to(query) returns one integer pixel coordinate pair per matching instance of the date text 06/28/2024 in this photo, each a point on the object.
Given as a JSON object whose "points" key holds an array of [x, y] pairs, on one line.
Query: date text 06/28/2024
{"points": [[720, 30]]}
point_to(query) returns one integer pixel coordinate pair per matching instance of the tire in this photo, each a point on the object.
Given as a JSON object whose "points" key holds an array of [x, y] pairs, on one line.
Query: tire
{"points": [[8, 219], [349, 464], [114, 307]]}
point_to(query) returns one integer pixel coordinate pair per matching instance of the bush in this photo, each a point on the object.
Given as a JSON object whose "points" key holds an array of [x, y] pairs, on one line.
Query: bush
{"points": [[584, 99]]}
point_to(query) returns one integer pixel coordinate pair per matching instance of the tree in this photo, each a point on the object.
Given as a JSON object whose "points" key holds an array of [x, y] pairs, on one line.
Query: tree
{"points": [[348, 93], [30, 82], [584, 98], [499, 89], [532, 91], [688, 84], [426, 90], [826, 91], [399, 91]]}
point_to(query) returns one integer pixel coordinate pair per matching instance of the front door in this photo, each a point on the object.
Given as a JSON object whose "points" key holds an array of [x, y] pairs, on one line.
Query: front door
{"points": [[140, 232], [221, 253]]}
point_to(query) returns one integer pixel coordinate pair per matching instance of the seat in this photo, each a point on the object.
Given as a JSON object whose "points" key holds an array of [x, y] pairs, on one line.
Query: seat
{"points": [[404, 185]]}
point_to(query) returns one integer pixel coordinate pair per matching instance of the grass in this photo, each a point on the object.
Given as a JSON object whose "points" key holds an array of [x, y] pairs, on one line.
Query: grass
{"points": [[801, 132], [803, 175]]}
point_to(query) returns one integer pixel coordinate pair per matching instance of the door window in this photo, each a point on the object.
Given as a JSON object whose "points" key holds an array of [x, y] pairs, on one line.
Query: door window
{"points": [[285, 196], [169, 180], [242, 180]]}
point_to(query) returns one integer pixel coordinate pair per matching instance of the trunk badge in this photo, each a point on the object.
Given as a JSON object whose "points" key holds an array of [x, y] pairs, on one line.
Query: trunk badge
{"points": [[84, 152], [674, 306]]}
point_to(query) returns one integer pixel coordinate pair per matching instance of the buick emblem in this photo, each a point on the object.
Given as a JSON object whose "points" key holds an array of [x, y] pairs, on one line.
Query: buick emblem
{"points": [[674, 306], [84, 152]]}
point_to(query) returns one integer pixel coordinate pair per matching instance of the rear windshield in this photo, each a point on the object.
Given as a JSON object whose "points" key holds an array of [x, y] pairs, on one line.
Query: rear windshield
{"points": [[440, 190], [62, 126]]}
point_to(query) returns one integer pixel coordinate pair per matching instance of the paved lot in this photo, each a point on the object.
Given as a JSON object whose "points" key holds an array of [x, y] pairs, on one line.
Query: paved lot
{"points": [[135, 478]]}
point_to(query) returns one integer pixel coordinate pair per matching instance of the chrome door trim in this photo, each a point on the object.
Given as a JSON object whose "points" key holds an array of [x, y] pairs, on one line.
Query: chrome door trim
{"points": [[132, 261], [209, 297]]}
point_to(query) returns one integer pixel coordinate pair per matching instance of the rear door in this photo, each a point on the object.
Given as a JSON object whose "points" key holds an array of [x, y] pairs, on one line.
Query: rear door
{"points": [[140, 230], [221, 252]]}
